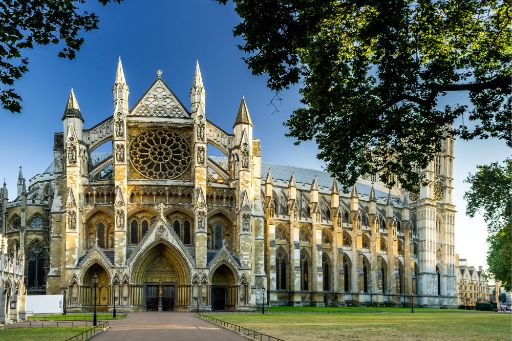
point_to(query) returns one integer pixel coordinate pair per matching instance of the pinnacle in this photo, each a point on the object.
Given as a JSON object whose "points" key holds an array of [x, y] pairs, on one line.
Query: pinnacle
{"points": [[354, 192], [72, 107], [120, 72], [372, 194], [72, 102], [20, 175], [292, 181], [314, 184], [269, 177], [243, 116], [389, 202], [334, 187], [198, 78]]}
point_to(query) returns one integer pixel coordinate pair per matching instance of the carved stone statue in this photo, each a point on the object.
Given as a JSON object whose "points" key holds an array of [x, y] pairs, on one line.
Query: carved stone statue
{"points": [[120, 152]]}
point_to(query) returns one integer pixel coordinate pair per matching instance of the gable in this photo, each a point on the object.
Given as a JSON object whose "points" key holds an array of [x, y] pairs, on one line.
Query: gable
{"points": [[159, 101]]}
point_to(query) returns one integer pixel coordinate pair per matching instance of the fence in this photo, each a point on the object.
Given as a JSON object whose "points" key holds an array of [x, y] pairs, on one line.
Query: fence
{"points": [[239, 329], [89, 333]]}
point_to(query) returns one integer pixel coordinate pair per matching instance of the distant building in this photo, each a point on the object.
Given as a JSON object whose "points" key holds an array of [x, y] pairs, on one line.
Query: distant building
{"points": [[472, 284], [12, 284]]}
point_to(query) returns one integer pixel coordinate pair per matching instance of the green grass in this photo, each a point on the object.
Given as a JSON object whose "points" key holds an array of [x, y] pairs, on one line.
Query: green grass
{"points": [[74, 317], [45, 333], [286, 309], [379, 324]]}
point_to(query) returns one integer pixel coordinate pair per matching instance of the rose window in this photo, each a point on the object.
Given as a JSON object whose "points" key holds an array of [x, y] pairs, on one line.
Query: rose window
{"points": [[160, 154]]}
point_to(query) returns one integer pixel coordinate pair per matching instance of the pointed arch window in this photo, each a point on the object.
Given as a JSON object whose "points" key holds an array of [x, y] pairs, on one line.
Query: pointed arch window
{"points": [[365, 278], [346, 276], [100, 234], [144, 228], [177, 228], [383, 279], [218, 236], [304, 269], [438, 273], [35, 271], [281, 266], [326, 272], [186, 232], [134, 231]]}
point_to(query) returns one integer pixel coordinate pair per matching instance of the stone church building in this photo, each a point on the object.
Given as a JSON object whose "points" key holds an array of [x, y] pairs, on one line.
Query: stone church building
{"points": [[163, 225]]}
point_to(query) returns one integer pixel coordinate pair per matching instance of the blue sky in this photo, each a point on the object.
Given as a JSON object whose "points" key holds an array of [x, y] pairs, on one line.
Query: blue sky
{"points": [[172, 35]]}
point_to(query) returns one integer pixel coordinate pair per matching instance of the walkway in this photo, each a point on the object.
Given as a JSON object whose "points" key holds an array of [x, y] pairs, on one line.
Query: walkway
{"points": [[160, 326]]}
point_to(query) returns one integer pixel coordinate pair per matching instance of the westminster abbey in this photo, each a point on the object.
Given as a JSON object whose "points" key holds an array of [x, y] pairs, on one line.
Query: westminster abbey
{"points": [[160, 224]]}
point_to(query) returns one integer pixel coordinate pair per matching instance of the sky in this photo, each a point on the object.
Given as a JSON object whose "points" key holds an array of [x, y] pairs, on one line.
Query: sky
{"points": [[171, 35]]}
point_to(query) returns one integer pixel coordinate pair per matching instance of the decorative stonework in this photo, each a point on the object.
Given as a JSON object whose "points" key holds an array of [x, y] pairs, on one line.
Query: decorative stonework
{"points": [[201, 155], [120, 152], [160, 154], [119, 124], [159, 101]]}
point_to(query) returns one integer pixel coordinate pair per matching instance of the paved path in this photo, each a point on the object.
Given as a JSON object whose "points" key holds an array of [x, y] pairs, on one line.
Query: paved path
{"points": [[161, 326]]}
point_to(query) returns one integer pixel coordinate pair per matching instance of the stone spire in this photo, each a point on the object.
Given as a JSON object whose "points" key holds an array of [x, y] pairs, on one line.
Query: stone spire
{"points": [[268, 185], [292, 188], [21, 183], [72, 108], [120, 73], [354, 200], [334, 186], [120, 90], [372, 205], [198, 78], [313, 191], [243, 116], [197, 93], [389, 206]]}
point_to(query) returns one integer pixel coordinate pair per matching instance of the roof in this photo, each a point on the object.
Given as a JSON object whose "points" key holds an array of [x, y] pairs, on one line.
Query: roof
{"points": [[243, 117], [72, 108]]}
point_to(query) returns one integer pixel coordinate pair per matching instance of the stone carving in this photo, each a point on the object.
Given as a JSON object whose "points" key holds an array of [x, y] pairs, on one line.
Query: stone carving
{"points": [[200, 155], [119, 197], [120, 218], [200, 129], [159, 101], [246, 222], [119, 124], [201, 223], [347, 241], [200, 202], [438, 189], [245, 155], [72, 219], [119, 152], [71, 150], [160, 154]]}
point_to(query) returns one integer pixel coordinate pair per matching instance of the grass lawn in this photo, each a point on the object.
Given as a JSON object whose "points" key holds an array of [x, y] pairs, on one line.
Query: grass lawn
{"points": [[376, 324], [46, 333], [73, 317]]}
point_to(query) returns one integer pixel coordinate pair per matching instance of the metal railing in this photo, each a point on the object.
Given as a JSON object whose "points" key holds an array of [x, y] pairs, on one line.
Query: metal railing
{"points": [[90, 333], [239, 329]]}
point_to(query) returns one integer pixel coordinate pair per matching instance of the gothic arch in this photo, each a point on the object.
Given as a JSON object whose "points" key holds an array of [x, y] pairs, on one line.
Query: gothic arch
{"points": [[98, 209], [227, 264], [36, 276], [160, 259]]}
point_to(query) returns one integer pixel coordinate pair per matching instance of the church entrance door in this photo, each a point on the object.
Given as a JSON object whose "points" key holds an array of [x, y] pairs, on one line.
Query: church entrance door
{"points": [[219, 298], [152, 298], [168, 297]]}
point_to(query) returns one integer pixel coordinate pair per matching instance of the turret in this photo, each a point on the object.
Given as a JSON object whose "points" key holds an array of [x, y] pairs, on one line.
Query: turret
{"points": [[405, 209], [335, 194], [389, 206], [268, 185], [243, 122], [372, 204], [292, 188], [120, 90], [22, 188], [72, 115], [354, 200], [197, 92], [5, 192]]}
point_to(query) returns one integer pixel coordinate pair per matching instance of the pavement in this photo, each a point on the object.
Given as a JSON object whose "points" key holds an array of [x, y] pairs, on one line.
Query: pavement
{"points": [[160, 326]]}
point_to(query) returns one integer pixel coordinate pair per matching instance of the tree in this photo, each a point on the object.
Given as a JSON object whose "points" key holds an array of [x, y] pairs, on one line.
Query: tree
{"points": [[503, 297], [25, 24], [491, 193], [372, 74]]}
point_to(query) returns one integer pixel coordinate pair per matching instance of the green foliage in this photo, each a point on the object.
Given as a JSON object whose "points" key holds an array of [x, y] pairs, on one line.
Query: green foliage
{"points": [[372, 74], [491, 192], [499, 255], [26, 24]]}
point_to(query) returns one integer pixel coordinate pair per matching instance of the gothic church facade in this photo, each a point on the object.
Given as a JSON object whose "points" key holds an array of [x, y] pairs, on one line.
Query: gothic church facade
{"points": [[162, 225]]}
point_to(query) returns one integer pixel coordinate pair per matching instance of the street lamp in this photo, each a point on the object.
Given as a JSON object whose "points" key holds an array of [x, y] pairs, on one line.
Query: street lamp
{"points": [[95, 284], [263, 302], [64, 289], [412, 302]]}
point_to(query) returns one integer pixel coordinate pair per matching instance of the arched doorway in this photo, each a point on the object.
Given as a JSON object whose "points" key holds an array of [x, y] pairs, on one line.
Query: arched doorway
{"points": [[161, 280], [102, 289], [224, 287]]}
